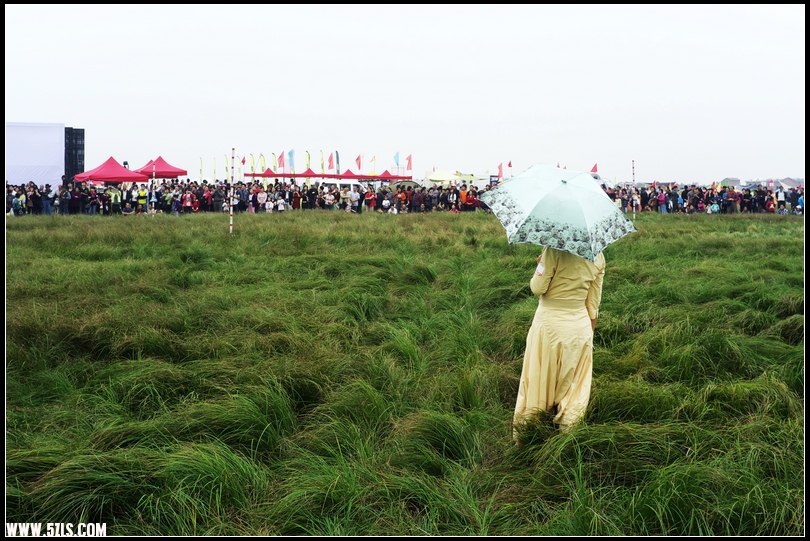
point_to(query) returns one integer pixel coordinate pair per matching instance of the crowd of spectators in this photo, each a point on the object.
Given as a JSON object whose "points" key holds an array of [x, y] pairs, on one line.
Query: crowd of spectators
{"points": [[171, 196], [712, 200]]}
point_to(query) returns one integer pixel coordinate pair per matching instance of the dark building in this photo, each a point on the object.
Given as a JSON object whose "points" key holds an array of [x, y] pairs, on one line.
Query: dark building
{"points": [[74, 152]]}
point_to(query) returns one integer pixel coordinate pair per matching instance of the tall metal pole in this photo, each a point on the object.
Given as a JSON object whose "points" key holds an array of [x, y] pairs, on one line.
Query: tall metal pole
{"points": [[233, 160]]}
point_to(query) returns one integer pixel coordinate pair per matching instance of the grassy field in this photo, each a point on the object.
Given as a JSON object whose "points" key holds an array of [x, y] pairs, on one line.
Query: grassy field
{"points": [[324, 373]]}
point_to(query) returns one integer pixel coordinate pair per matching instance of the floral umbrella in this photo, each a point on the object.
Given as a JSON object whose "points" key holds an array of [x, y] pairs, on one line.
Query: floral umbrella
{"points": [[559, 208]]}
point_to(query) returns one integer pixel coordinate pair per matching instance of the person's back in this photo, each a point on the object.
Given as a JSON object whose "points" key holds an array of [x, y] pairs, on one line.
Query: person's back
{"points": [[572, 277], [417, 199], [76, 200], [558, 359]]}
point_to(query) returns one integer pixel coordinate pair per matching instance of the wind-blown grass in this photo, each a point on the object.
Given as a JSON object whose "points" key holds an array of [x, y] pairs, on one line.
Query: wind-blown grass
{"points": [[317, 373]]}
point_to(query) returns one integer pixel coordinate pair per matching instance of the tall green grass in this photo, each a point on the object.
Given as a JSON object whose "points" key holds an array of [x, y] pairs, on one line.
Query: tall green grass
{"points": [[324, 373]]}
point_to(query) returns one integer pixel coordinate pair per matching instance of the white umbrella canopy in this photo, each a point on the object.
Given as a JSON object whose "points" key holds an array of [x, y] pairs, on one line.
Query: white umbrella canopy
{"points": [[559, 208]]}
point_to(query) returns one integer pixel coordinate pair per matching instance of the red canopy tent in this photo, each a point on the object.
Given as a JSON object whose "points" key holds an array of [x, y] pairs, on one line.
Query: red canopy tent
{"points": [[346, 175], [110, 171], [160, 168], [309, 173], [386, 176]]}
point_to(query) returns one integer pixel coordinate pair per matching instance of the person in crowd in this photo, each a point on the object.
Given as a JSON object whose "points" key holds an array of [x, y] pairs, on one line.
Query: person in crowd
{"points": [[93, 203], [311, 197], [296, 198], [635, 202], [384, 201], [261, 199], [732, 201], [281, 203], [242, 197], [417, 200], [370, 199], [84, 197], [11, 197], [129, 194], [354, 199], [104, 204], [781, 197], [343, 200], [218, 198], [433, 197], [409, 191], [624, 198], [462, 198], [662, 201], [471, 202], [402, 200], [143, 199], [128, 209], [746, 201], [57, 199], [176, 204], [33, 200], [558, 357], [64, 199], [453, 197], [47, 200], [329, 198], [75, 206], [115, 199]]}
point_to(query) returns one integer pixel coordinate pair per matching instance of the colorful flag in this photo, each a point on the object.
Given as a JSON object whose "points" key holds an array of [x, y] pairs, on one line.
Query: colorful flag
{"points": [[396, 159], [331, 161], [226, 167], [201, 174], [509, 164], [593, 169], [558, 165], [291, 159], [281, 161], [373, 162], [322, 169], [358, 161], [307, 151], [262, 165], [337, 162], [243, 160], [500, 170], [408, 164], [273, 162]]}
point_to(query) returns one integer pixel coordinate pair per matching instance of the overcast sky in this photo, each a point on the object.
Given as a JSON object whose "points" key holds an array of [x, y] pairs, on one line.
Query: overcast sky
{"points": [[672, 93]]}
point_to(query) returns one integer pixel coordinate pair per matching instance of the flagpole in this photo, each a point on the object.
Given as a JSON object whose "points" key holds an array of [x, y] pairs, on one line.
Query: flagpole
{"points": [[233, 160], [151, 192]]}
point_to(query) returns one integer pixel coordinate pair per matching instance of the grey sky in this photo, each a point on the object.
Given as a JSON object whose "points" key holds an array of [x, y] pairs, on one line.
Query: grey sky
{"points": [[672, 93]]}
